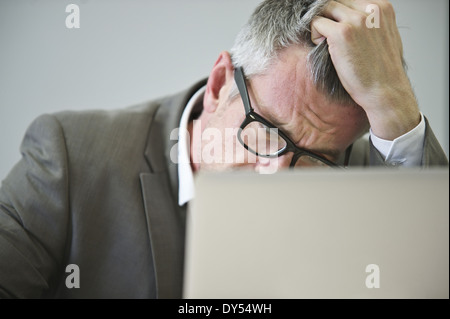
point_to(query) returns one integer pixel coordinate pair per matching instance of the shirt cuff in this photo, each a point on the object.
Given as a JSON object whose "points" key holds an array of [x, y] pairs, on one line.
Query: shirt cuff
{"points": [[406, 150]]}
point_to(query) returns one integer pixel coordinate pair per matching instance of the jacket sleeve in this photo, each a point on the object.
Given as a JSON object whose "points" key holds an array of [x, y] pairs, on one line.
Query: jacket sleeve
{"points": [[34, 213], [433, 154]]}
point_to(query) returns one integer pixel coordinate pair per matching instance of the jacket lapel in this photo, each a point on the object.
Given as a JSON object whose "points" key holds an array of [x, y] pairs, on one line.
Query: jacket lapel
{"points": [[165, 219], [165, 223]]}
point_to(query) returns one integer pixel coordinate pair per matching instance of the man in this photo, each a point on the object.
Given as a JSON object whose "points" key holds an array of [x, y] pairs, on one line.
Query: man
{"points": [[101, 194]]}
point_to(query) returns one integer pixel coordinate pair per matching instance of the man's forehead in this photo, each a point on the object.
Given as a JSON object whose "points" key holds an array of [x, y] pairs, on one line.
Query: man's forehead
{"points": [[286, 95], [286, 86]]}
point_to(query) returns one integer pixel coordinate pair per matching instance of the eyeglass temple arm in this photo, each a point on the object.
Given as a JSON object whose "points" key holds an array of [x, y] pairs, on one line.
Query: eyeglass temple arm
{"points": [[240, 82]]}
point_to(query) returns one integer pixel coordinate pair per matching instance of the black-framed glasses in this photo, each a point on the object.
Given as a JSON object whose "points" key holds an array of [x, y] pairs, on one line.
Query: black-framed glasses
{"points": [[264, 139]]}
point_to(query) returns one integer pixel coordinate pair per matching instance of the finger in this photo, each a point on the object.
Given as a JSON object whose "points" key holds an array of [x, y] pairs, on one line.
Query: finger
{"points": [[322, 28], [359, 5], [339, 12]]}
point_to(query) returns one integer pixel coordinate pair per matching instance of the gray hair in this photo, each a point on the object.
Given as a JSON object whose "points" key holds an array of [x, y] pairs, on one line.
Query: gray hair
{"points": [[277, 24]]}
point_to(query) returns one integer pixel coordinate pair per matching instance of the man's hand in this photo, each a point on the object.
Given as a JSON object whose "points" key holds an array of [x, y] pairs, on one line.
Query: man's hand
{"points": [[368, 62]]}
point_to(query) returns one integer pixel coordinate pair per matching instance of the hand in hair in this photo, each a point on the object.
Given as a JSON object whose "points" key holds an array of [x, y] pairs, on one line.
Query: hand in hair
{"points": [[369, 62]]}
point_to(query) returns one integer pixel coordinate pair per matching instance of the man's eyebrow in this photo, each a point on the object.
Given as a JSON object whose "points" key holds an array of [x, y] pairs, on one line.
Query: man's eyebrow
{"points": [[329, 153], [264, 111]]}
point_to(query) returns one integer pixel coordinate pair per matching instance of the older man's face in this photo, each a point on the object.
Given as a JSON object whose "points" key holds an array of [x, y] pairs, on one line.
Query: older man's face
{"points": [[285, 96]]}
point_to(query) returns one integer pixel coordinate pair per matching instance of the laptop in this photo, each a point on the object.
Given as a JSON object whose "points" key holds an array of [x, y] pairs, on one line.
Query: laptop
{"points": [[356, 233]]}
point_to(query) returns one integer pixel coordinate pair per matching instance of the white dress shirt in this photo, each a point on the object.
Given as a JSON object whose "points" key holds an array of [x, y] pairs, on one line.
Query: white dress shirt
{"points": [[405, 150], [185, 174]]}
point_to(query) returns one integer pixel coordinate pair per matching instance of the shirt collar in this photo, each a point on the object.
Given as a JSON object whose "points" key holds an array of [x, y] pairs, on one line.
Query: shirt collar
{"points": [[186, 189]]}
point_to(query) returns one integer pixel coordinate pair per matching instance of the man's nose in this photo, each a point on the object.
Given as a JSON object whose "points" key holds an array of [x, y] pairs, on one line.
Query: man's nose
{"points": [[272, 165]]}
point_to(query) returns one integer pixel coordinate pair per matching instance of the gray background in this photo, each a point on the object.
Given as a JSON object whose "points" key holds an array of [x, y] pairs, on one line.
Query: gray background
{"points": [[130, 51]]}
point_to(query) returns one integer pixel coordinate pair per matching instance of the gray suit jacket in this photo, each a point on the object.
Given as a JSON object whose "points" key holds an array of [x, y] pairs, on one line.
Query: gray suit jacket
{"points": [[98, 189]]}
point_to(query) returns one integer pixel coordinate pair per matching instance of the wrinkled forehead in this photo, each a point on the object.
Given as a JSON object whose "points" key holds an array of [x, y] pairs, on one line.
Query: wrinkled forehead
{"points": [[287, 87]]}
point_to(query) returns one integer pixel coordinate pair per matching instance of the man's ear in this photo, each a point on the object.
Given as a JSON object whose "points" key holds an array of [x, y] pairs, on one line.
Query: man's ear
{"points": [[221, 74]]}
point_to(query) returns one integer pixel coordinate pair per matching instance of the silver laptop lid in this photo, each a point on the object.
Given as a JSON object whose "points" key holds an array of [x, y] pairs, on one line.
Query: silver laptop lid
{"points": [[319, 234]]}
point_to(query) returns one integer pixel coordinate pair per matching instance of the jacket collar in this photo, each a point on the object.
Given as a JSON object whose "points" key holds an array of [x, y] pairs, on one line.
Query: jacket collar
{"points": [[165, 219]]}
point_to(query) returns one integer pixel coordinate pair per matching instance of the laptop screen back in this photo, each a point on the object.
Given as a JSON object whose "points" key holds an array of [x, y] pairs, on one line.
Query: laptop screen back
{"points": [[319, 234]]}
